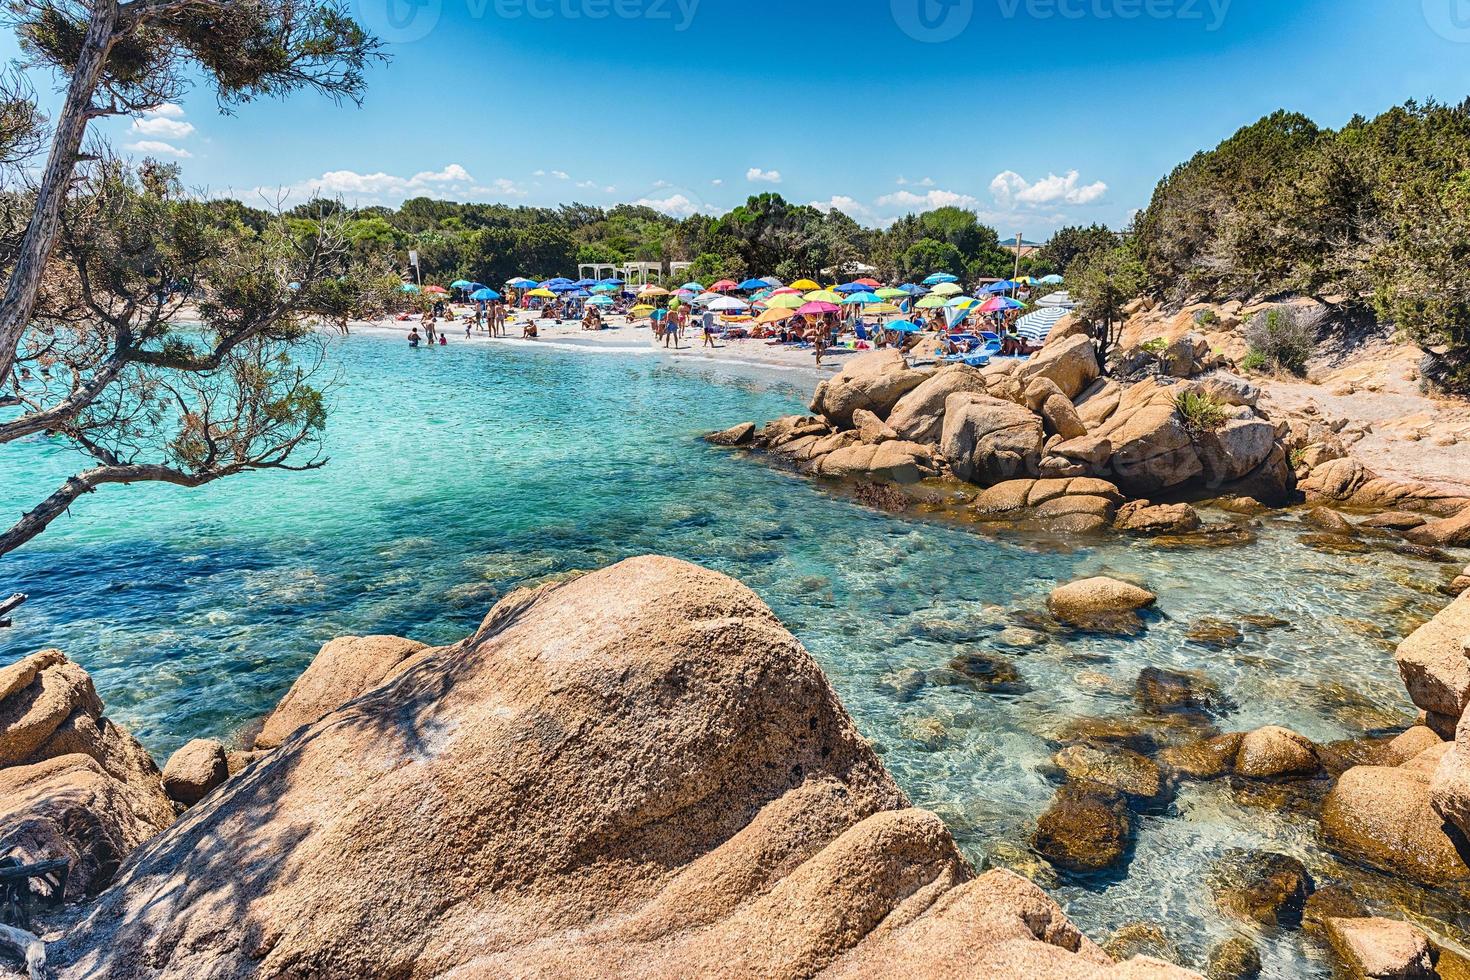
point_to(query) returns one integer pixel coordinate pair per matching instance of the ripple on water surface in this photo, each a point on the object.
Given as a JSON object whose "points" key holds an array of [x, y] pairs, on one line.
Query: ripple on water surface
{"points": [[459, 474]]}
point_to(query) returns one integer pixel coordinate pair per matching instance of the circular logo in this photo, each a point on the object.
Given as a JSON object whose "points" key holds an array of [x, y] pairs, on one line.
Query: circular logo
{"points": [[933, 21], [1450, 19], [398, 21]]}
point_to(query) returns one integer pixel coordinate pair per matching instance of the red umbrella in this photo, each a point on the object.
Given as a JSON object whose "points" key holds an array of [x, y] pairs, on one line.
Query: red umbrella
{"points": [[436, 289], [870, 283], [724, 286]]}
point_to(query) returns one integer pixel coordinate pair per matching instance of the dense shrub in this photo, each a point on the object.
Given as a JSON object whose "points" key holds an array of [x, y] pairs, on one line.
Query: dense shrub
{"points": [[1200, 411], [1279, 338]]}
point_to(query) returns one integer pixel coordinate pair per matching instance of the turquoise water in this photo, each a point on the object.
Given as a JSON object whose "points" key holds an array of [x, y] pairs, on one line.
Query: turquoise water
{"points": [[460, 474]]}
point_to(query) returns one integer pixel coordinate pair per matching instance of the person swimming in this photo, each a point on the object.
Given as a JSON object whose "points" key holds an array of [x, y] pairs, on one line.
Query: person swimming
{"points": [[413, 338]]}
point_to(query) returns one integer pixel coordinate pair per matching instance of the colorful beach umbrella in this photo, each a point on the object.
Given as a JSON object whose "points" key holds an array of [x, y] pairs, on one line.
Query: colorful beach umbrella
{"points": [[1052, 280], [786, 301], [726, 304], [804, 285], [484, 295], [775, 316], [962, 303], [940, 277], [540, 293], [822, 296], [751, 285], [947, 289], [600, 301], [773, 282], [931, 303], [870, 283], [652, 291], [862, 299], [818, 309], [520, 282], [461, 284], [724, 286], [1000, 304], [851, 287], [892, 292], [694, 287], [881, 309], [604, 288]]}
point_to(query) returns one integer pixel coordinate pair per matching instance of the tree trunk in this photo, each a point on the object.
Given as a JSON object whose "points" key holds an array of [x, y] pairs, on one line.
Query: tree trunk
{"points": [[54, 506], [28, 947], [71, 128]]}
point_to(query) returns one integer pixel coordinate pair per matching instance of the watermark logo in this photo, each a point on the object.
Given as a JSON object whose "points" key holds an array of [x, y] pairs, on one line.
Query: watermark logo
{"points": [[933, 21], [398, 21], [1450, 19]]}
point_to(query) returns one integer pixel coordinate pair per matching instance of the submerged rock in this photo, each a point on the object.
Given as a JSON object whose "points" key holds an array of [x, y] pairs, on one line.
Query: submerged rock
{"points": [[1141, 939], [1234, 959], [1382, 816], [987, 672], [1271, 889], [1277, 753], [600, 781], [1114, 767], [1330, 902], [1086, 829], [738, 435], [1211, 632], [1382, 948], [1209, 758], [1159, 691]]}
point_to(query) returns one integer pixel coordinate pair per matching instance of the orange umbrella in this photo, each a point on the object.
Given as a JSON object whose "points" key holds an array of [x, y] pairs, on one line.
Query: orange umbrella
{"points": [[775, 316]]}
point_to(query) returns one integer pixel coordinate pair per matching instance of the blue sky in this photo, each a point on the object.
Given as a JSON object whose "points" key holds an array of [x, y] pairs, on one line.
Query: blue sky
{"points": [[1034, 113]]}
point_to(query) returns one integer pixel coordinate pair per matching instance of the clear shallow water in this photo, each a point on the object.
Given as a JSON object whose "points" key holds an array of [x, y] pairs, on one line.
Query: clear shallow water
{"points": [[460, 474]]}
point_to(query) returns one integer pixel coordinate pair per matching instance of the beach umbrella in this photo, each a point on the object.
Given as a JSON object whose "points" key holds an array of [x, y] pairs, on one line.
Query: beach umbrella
{"points": [[1004, 286], [641, 310], [1001, 303], [603, 288], [870, 283], [727, 304], [822, 296], [652, 291], [775, 316], [785, 291], [600, 301], [881, 309], [1026, 281], [804, 285], [577, 294], [752, 285], [862, 299], [760, 294], [436, 290], [704, 299], [541, 293], [461, 284], [892, 293], [851, 287], [913, 290], [724, 286], [818, 308], [408, 287], [484, 295], [947, 289], [520, 282], [773, 282], [786, 301], [940, 277], [904, 326], [584, 283], [1052, 280], [930, 303], [962, 303], [694, 287]]}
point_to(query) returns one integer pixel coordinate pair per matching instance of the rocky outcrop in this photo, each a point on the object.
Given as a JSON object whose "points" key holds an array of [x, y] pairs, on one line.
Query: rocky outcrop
{"points": [[990, 440], [874, 381], [343, 669], [1071, 365], [1276, 753], [919, 415], [1347, 482], [72, 784], [738, 435], [599, 782], [1071, 506], [894, 462], [1151, 520], [1452, 532], [1152, 449], [1435, 664]]}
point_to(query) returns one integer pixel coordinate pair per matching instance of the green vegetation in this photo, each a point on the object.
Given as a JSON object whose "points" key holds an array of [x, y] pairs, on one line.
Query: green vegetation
{"points": [[1201, 412], [1279, 339], [1376, 214]]}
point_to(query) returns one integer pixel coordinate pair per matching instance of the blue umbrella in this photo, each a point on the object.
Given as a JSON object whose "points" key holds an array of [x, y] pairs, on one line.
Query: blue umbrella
{"points": [[940, 277], [862, 299], [461, 284], [697, 287], [903, 326], [1002, 287], [852, 287], [520, 282], [484, 295], [613, 282], [754, 284], [563, 287], [577, 294], [1052, 280], [600, 301], [913, 290], [584, 283]]}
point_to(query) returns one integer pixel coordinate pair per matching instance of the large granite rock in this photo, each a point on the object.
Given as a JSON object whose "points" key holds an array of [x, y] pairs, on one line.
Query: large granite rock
{"points": [[1434, 661], [343, 669], [72, 784], [874, 381], [1348, 482], [1382, 816], [1071, 365], [919, 415], [1152, 450], [1451, 532], [600, 782], [1382, 949], [990, 440], [194, 770], [1096, 601], [892, 462]]}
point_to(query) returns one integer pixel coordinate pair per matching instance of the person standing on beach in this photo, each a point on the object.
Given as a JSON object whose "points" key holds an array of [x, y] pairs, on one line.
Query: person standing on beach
{"points": [[709, 328]]}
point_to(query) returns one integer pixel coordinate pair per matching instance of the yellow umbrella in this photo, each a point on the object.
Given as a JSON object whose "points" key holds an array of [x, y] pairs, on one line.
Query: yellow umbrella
{"points": [[804, 285], [946, 289], [638, 311], [775, 316], [651, 291], [542, 294], [823, 296], [881, 308], [786, 301]]}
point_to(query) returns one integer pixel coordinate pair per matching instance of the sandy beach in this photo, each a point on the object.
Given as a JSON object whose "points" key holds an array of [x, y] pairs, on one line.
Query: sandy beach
{"points": [[623, 337]]}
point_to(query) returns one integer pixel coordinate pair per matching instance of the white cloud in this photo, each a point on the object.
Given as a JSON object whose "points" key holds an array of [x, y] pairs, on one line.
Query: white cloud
{"points": [[162, 126], [538, 173], [677, 206], [159, 149], [561, 175], [717, 182], [659, 185], [168, 110], [586, 184], [904, 182], [927, 201], [1011, 189], [850, 206], [609, 189], [392, 189], [758, 176]]}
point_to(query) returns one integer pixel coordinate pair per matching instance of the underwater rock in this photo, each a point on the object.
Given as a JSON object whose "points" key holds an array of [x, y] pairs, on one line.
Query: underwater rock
{"points": [[1273, 752], [904, 683], [1141, 939], [1086, 829], [1120, 769], [1211, 632], [1159, 691], [1330, 902], [1234, 959], [1268, 888], [1382, 949], [1206, 759], [987, 672]]}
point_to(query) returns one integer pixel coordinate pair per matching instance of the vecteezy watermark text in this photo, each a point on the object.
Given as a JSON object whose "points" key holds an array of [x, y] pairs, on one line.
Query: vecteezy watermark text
{"points": [[937, 21], [406, 21], [1450, 19]]}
